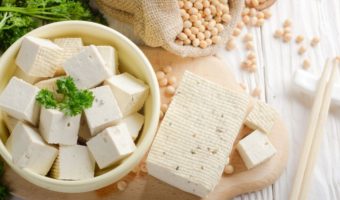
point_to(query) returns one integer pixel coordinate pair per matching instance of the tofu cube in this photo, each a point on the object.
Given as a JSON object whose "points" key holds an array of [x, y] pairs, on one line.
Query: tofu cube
{"points": [[87, 68], [73, 163], [10, 122], [262, 117], [71, 47], [57, 128], [51, 85], [129, 91], [255, 149], [18, 100], [110, 57], [104, 112], [29, 151], [134, 124], [111, 145], [39, 57]]}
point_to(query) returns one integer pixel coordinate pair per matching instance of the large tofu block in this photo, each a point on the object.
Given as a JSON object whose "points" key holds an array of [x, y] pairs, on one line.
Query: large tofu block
{"points": [[57, 128], [255, 149], [262, 117], [196, 135], [73, 163], [18, 100], [104, 112], [10, 122], [87, 68], [110, 57], [111, 145], [134, 124], [38, 57], [29, 151], [129, 91], [71, 47]]}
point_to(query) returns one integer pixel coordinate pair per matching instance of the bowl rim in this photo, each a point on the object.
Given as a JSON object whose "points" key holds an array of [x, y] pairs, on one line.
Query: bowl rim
{"points": [[143, 146]]}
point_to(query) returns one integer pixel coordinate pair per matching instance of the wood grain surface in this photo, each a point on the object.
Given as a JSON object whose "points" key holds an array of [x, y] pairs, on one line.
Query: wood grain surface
{"points": [[141, 186]]}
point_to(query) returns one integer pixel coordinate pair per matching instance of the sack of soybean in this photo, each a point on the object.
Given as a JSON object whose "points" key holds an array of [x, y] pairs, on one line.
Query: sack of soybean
{"points": [[188, 28]]}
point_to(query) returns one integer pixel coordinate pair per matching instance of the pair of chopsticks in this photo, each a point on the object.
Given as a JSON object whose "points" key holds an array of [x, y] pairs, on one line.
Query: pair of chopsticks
{"points": [[315, 130]]}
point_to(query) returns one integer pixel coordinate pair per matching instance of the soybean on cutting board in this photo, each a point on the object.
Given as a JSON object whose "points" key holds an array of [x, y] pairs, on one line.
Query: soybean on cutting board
{"points": [[142, 186]]}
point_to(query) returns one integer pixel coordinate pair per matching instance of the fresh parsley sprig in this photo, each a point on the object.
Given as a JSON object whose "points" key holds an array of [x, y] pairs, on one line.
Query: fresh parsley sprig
{"points": [[17, 17], [73, 100]]}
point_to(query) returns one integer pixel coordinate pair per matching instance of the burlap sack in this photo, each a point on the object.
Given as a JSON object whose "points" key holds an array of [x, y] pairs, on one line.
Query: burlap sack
{"points": [[158, 22]]}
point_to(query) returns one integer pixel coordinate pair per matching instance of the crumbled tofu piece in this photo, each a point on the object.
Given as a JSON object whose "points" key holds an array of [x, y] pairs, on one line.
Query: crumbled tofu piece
{"points": [[29, 79], [73, 163], [110, 57], [87, 68], [196, 135], [71, 47], [18, 100], [104, 112], [38, 57], [111, 145], [57, 128], [255, 149], [129, 91], [262, 117], [29, 151], [10, 122], [134, 124]]}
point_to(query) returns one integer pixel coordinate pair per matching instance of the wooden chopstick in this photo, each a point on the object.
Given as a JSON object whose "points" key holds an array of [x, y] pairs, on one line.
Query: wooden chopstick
{"points": [[314, 132]]}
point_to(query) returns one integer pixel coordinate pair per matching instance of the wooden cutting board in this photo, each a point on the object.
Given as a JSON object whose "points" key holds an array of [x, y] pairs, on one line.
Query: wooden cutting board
{"points": [[141, 186]]}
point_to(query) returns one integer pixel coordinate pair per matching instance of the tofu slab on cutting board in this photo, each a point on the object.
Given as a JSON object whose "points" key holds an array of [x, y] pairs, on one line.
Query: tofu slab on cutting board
{"points": [[196, 136]]}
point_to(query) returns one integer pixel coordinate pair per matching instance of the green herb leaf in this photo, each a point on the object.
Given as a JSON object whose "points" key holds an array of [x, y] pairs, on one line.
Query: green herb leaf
{"points": [[46, 99], [18, 17], [74, 101]]}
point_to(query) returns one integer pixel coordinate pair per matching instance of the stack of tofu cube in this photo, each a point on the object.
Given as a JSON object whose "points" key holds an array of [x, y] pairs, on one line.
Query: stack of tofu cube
{"points": [[48, 141]]}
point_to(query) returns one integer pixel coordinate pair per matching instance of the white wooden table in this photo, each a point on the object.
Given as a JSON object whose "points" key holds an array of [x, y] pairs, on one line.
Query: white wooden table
{"points": [[277, 62]]}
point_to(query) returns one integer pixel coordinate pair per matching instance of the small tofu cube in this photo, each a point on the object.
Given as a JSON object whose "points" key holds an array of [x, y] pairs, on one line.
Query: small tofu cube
{"points": [[262, 117], [110, 57], [29, 79], [134, 124], [255, 149], [73, 163], [111, 145], [87, 68], [39, 57], [71, 47], [29, 151], [57, 128], [104, 112], [10, 122], [18, 100], [130, 92]]}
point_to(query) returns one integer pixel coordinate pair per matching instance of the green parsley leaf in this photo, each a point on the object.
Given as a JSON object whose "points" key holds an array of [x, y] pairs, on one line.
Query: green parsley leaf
{"points": [[47, 99], [73, 102]]}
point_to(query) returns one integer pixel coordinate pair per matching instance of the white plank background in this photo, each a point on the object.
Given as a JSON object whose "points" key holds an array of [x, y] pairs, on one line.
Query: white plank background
{"points": [[277, 62]]}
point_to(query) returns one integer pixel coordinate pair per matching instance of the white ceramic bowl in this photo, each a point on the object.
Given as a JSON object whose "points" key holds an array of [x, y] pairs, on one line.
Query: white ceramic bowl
{"points": [[131, 59]]}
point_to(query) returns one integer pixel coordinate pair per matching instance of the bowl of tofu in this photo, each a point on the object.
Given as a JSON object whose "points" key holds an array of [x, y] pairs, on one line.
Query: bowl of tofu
{"points": [[46, 76]]}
